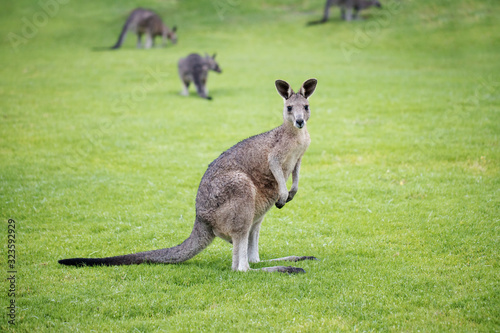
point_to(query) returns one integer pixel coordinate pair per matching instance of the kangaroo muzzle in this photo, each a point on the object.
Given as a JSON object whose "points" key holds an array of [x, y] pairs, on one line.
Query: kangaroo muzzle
{"points": [[299, 123]]}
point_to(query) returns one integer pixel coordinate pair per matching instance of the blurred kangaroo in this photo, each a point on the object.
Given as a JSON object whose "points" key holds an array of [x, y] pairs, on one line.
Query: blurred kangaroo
{"points": [[238, 189], [347, 7], [145, 21], [194, 68]]}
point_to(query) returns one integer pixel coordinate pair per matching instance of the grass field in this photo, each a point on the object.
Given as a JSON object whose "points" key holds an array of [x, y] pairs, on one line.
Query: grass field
{"points": [[400, 188]]}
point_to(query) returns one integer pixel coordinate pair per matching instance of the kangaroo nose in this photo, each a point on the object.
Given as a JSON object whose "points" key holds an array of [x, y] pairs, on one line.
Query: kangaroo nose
{"points": [[299, 123]]}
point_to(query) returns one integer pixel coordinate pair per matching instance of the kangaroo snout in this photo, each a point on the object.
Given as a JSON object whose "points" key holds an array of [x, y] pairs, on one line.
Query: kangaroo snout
{"points": [[299, 123]]}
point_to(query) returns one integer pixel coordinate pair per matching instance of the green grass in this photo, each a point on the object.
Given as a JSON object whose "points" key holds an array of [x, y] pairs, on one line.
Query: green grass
{"points": [[399, 193]]}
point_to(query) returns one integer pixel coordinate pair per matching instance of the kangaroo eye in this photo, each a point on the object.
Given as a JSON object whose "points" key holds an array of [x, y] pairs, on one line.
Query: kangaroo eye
{"points": [[289, 108], [306, 107]]}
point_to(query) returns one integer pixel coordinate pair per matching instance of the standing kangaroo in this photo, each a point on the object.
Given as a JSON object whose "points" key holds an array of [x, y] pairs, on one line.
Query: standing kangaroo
{"points": [[194, 68], [238, 189], [347, 7], [145, 21]]}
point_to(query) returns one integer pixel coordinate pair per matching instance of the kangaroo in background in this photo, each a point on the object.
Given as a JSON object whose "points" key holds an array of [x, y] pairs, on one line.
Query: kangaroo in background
{"points": [[145, 21], [347, 7], [194, 68], [238, 189]]}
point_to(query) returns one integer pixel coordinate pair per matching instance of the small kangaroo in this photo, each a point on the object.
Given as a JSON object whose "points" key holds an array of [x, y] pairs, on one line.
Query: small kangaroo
{"points": [[238, 189], [347, 7], [145, 21], [194, 68]]}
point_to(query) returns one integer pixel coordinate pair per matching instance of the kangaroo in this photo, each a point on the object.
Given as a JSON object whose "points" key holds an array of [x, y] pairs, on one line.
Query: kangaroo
{"points": [[145, 21], [194, 68], [238, 189], [347, 6]]}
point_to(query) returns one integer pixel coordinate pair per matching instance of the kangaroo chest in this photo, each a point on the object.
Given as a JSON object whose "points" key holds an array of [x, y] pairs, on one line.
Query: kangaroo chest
{"points": [[290, 159]]}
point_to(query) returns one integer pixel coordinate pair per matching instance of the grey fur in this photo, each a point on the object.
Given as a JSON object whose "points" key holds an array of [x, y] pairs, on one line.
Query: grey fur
{"points": [[347, 7], [239, 188], [144, 21], [194, 68]]}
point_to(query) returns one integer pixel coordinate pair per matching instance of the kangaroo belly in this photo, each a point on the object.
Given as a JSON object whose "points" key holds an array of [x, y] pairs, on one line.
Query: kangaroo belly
{"points": [[225, 237]]}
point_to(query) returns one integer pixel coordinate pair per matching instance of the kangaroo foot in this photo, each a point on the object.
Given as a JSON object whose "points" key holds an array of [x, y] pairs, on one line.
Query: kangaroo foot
{"points": [[284, 269], [294, 258]]}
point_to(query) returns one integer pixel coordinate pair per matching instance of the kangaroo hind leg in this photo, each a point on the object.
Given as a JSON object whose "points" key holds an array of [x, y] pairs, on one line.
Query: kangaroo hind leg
{"points": [[241, 223], [185, 87], [139, 40], [253, 242], [149, 40], [231, 209]]}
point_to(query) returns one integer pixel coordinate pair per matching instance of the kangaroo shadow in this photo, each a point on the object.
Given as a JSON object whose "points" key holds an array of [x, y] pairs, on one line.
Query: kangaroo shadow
{"points": [[362, 17], [310, 23]]}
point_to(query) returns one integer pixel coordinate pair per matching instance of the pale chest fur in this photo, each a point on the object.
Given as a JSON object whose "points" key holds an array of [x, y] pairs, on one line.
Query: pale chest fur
{"points": [[297, 147]]}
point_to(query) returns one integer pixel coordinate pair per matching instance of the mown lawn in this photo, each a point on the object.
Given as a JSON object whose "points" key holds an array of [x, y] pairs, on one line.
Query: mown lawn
{"points": [[399, 194]]}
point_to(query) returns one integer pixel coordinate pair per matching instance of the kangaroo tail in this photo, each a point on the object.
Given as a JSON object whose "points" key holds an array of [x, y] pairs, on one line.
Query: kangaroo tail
{"points": [[125, 28], [201, 236]]}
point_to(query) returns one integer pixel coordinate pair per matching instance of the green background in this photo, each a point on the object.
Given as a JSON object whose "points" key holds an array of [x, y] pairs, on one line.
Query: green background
{"points": [[399, 191]]}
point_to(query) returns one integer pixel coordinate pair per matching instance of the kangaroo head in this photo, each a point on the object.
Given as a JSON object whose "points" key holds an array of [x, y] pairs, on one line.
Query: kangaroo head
{"points": [[296, 110], [212, 64], [172, 35]]}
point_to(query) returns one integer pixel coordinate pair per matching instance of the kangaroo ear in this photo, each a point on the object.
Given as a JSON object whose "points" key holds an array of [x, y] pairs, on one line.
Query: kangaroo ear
{"points": [[213, 57], [174, 29], [308, 87], [284, 89]]}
